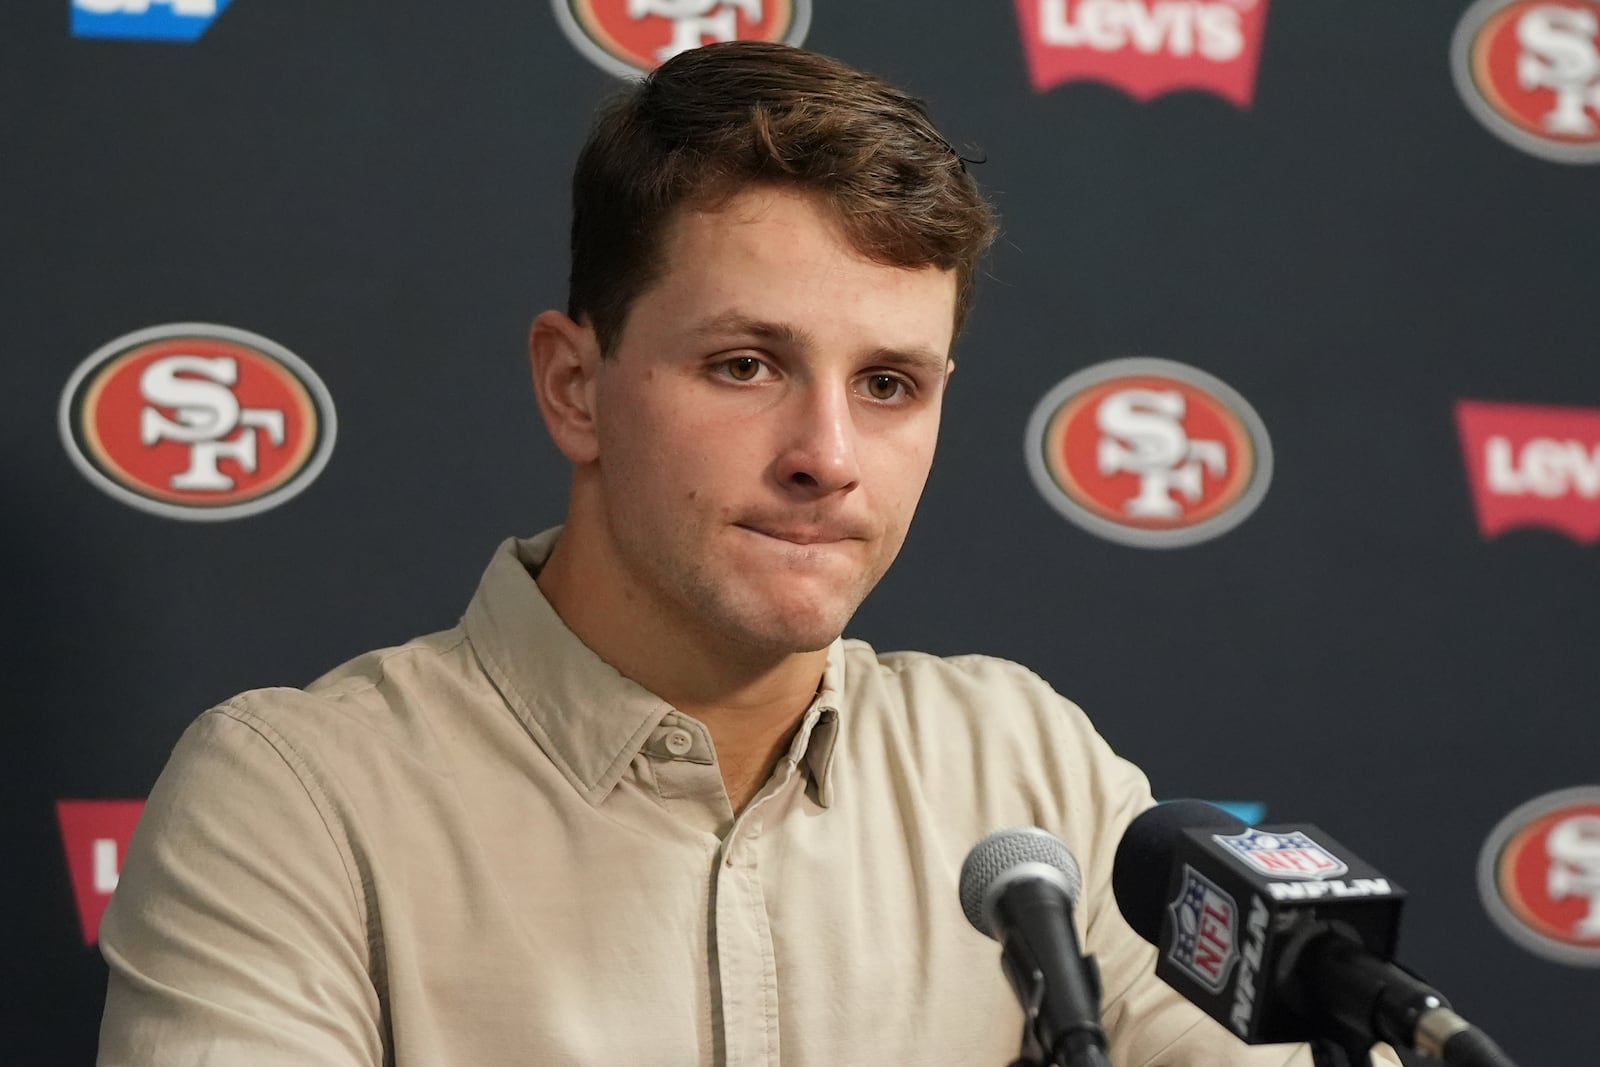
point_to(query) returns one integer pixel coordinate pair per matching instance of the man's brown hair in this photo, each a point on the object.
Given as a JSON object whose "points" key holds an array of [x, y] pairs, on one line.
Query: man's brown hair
{"points": [[713, 120]]}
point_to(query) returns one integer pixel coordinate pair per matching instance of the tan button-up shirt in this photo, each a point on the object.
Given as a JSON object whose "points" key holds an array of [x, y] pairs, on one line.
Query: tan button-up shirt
{"points": [[487, 847]]}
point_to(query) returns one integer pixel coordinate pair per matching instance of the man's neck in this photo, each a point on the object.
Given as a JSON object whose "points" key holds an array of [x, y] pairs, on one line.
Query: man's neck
{"points": [[751, 700]]}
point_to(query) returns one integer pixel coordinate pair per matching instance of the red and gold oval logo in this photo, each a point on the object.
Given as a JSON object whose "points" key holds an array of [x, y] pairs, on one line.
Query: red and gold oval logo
{"points": [[1149, 452], [1530, 71], [1539, 876], [633, 37], [199, 422]]}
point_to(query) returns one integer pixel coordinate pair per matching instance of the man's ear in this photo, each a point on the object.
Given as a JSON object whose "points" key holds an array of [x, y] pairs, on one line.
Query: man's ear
{"points": [[565, 358]]}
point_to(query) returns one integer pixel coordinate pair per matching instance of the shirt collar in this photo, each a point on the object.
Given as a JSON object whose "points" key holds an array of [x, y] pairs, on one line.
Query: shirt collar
{"points": [[824, 734], [589, 719]]}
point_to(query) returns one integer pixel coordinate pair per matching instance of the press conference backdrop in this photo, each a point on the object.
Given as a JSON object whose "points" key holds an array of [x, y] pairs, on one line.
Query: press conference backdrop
{"points": [[1275, 442]]}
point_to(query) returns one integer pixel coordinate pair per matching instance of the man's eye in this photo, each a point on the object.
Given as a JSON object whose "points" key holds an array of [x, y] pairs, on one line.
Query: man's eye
{"points": [[743, 368], [884, 386]]}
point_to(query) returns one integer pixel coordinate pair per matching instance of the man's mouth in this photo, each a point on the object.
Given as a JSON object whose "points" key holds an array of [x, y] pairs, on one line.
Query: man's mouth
{"points": [[801, 535]]}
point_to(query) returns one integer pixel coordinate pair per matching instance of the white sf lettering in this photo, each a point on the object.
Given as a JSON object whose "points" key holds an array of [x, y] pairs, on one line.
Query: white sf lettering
{"points": [[1560, 55], [1574, 846], [204, 412], [1145, 437], [693, 23]]}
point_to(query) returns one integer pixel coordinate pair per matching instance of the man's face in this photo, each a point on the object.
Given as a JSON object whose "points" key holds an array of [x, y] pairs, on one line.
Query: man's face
{"points": [[767, 421]]}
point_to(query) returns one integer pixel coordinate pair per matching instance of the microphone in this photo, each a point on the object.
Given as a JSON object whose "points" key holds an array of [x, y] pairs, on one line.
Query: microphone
{"points": [[1019, 887], [1281, 935]]}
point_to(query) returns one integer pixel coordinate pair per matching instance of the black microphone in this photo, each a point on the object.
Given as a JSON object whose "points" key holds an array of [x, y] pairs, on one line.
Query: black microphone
{"points": [[1019, 887], [1281, 935]]}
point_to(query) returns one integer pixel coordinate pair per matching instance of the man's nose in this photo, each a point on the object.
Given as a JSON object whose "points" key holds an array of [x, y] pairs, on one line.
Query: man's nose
{"points": [[820, 451]]}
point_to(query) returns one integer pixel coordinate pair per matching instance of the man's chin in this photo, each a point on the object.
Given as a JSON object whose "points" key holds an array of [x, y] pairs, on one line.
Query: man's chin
{"points": [[785, 618], [793, 632], [793, 640], [813, 643]]}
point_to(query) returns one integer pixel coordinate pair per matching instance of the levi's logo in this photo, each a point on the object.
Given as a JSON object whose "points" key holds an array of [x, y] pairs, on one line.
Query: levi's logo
{"points": [[1533, 465], [1146, 47], [95, 834]]}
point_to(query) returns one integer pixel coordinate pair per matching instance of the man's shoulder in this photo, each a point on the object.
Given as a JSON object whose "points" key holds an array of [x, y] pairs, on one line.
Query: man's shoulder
{"points": [[968, 669], [387, 691], [986, 692], [989, 730], [373, 675]]}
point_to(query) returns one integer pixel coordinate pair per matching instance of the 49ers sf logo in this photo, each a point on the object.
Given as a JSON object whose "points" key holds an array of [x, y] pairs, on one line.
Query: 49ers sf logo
{"points": [[198, 422], [1539, 875], [1530, 71], [632, 37], [1150, 453]]}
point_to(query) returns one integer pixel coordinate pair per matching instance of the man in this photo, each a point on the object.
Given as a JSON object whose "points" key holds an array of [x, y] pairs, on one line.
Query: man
{"points": [[644, 805]]}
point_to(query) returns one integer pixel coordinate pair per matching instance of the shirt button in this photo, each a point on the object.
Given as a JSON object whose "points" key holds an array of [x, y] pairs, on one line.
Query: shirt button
{"points": [[679, 742]]}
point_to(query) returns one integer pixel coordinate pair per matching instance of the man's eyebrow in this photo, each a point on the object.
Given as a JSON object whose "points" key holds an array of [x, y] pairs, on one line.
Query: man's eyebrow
{"points": [[921, 359], [735, 323], [738, 324]]}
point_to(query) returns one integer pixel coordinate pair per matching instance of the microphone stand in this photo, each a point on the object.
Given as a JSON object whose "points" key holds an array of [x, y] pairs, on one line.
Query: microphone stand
{"points": [[1030, 988], [1030, 1056]]}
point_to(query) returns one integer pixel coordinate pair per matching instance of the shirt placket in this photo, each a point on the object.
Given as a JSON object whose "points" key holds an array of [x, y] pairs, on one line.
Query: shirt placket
{"points": [[744, 961], [747, 964]]}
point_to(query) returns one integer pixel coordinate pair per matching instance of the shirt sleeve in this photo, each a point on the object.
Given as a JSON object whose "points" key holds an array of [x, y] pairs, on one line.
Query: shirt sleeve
{"points": [[1148, 1023], [237, 931]]}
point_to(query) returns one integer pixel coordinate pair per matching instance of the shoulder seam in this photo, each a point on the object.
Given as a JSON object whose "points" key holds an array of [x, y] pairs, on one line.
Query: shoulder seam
{"points": [[367, 685], [360, 887]]}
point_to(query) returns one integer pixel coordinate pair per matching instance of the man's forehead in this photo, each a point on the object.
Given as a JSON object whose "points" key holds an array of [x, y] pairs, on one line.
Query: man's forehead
{"points": [[731, 213], [722, 266]]}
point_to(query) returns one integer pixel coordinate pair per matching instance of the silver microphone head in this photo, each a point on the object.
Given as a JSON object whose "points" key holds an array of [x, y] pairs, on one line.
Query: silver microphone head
{"points": [[1008, 856]]}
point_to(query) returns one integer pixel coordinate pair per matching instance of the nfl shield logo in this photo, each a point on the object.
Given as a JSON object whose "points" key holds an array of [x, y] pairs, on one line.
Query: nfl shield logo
{"points": [[1204, 920], [1291, 854]]}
